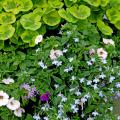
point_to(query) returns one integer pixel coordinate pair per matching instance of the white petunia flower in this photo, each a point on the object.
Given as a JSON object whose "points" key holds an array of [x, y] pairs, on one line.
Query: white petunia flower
{"points": [[13, 104], [18, 112], [108, 41], [4, 98], [38, 39], [102, 53], [54, 54], [8, 81]]}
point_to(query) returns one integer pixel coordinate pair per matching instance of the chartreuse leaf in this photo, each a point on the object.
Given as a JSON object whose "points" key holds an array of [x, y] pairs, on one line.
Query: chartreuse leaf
{"points": [[7, 18], [69, 3], [52, 18], [95, 3], [105, 29], [40, 3], [6, 32], [55, 3], [30, 21], [80, 12], [26, 5], [28, 36], [39, 11], [113, 15], [117, 24], [104, 3], [67, 16], [12, 6]]}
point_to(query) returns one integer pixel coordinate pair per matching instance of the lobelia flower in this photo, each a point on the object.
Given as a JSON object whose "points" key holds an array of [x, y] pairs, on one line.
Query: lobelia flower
{"points": [[38, 39], [4, 98], [36, 117], [18, 112], [42, 65], [45, 118], [76, 39], [13, 104], [108, 41], [90, 118], [117, 85], [95, 113], [25, 86], [45, 97], [54, 54], [102, 53], [8, 81]]}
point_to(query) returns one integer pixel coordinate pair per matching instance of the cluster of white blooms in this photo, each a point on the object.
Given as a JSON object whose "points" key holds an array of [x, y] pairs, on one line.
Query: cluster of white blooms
{"points": [[38, 39], [8, 81], [11, 104]]}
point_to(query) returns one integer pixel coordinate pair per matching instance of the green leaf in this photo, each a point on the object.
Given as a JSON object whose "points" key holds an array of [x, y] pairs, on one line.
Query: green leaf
{"points": [[40, 3], [117, 24], [26, 5], [6, 32], [95, 3], [1, 44], [113, 15], [67, 16], [69, 3], [12, 6], [104, 3], [7, 18], [28, 36], [39, 11], [52, 18], [55, 3], [105, 29], [81, 12], [30, 21]]}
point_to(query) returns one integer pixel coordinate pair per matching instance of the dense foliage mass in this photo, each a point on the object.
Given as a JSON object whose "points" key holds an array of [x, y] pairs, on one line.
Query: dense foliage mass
{"points": [[59, 59]]}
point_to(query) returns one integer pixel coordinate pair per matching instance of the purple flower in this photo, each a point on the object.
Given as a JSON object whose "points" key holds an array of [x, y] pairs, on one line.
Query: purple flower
{"points": [[25, 86], [45, 97]]}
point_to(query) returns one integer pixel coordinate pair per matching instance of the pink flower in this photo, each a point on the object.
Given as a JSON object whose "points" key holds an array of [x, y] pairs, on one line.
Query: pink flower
{"points": [[102, 53]]}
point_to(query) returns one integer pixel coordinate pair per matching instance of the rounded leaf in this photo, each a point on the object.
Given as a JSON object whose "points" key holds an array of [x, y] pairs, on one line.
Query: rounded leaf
{"points": [[52, 18], [29, 36], [104, 3], [6, 32], [30, 21], [82, 12], [105, 29], [95, 3], [55, 3], [12, 6], [26, 5], [7, 18], [67, 16]]}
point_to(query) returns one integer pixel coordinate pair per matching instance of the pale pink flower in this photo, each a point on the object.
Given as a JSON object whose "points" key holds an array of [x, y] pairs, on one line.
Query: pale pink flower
{"points": [[108, 41], [102, 53]]}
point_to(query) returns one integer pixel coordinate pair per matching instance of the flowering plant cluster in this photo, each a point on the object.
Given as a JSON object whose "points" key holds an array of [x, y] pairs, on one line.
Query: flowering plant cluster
{"points": [[72, 75]]}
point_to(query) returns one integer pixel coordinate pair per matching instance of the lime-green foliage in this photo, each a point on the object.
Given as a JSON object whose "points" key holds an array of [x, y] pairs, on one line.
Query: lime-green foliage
{"points": [[38, 15]]}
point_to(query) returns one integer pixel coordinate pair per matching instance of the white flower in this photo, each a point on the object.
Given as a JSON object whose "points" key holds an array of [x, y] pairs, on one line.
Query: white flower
{"points": [[73, 78], [18, 112], [64, 99], [95, 113], [36, 117], [77, 101], [95, 87], [118, 118], [38, 39], [92, 51], [83, 99], [57, 63], [13, 104], [117, 85], [8, 81], [76, 39], [89, 82], [4, 98], [96, 80], [74, 108], [45, 118], [102, 53], [68, 69], [64, 50], [108, 41], [82, 80], [60, 106], [54, 54], [78, 93], [69, 33], [90, 118], [66, 119], [104, 61], [89, 63], [111, 79], [82, 115], [70, 59], [111, 108], [102, 76], [42, 65], [101, 94], [87, 95], [56, 86]]}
